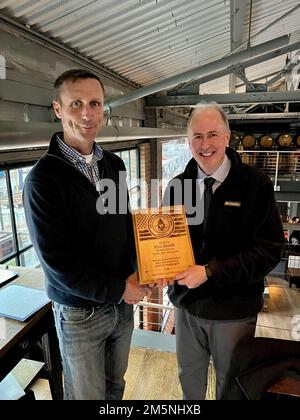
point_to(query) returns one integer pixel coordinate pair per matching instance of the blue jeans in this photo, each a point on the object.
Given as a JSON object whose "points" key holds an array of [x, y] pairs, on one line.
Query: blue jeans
{"points": [[94, 344]]}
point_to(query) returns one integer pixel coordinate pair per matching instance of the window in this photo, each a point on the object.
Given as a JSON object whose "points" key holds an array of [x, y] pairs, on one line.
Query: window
{"points": [[175, 156], [131, 160], [15, 244], [29, 258], [7, 245], [17, 178]]}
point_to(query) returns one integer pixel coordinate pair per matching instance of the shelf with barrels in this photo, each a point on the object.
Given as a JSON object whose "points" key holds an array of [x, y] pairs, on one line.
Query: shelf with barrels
{"points": [[282, 141], [265, 150]]}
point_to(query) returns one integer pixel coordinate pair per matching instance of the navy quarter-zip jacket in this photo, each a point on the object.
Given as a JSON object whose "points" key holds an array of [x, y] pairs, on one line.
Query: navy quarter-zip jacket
{"points": [[86, 256]]}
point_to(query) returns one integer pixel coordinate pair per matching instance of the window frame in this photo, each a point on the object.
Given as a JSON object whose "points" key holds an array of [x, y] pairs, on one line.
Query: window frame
{"points": [[138, 167], [18, 253]]}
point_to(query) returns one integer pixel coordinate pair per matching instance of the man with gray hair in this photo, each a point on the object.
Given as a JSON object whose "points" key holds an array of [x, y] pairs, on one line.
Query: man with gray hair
{"points": [[237, 242]]}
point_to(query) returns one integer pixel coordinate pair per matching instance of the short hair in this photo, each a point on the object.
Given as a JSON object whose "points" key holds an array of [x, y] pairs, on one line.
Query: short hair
{"points": [[205, 105], [73, 75]]}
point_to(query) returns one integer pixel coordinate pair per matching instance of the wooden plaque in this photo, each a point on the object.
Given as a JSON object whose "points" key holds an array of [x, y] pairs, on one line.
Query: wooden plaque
{"points": [[163, 243]]}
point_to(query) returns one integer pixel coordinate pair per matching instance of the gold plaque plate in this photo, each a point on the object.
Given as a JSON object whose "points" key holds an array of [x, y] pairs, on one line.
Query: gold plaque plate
{"points": [[163, 243]]}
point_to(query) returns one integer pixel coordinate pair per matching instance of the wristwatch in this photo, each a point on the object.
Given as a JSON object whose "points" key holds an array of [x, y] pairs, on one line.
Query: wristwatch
{"points": [[208, 271]]}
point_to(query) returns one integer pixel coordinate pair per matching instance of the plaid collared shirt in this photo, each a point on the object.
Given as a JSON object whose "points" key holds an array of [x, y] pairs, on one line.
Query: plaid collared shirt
{"points": [[90, 170]]}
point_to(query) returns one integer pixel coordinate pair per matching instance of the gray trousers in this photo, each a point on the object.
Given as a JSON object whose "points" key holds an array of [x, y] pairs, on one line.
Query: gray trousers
{"points": [[196, 340]]}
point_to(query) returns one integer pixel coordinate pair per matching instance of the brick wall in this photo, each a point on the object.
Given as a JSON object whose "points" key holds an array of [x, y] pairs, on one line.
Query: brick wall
{"points": [[145, 173]]}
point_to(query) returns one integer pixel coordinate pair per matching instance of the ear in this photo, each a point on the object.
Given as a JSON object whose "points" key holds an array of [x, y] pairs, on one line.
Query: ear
{"points": [[228, 137], [57, 108]]}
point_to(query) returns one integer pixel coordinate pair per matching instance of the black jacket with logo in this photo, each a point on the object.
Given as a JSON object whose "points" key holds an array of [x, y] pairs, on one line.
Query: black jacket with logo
{"points": [[243, 242], [86, 256]]}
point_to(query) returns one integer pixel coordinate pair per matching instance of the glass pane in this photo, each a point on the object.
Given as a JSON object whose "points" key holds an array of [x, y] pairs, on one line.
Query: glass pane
{"points": [[6, 237], [11, 263], [134, 170], [29, 258], [134, 194], [125, 157], [130, 158], [17, 177], [175, 156]]}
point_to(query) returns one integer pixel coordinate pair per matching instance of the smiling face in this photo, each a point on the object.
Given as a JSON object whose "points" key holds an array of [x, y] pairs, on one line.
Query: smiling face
{"points": [[80, 109], [208, 138]]}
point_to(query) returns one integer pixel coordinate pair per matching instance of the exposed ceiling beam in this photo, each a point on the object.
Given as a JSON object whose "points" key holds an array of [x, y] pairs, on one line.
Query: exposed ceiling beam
{"points": [[260, 79], [265, 116], [193, 88], [200, 71], [266, 28], [230, 98], [251, 37], [249, 108], [237, 18], [288, 68], [239, 72]]}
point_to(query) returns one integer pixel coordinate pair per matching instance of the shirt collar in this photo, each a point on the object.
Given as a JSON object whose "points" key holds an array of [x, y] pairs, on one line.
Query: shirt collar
{"points": [[220, 174], [75, 156]]}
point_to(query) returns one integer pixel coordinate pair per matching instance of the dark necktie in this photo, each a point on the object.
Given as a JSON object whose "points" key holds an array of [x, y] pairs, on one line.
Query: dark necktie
{"points": [[207, 198]]}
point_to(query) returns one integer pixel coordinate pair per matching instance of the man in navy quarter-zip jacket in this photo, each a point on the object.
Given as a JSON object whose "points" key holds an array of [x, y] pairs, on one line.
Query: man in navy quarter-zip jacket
{"points": [[217, 300], [87, 254]]}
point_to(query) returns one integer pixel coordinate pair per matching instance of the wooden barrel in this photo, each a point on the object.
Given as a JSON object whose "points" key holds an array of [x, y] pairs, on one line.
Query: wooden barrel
{"points": [[296, 140], [284, 140], [266, 141], [249, 141]]}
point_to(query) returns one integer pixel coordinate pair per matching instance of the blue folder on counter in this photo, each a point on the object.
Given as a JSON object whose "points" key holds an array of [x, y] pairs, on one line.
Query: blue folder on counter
{"points": [[20, 302]]}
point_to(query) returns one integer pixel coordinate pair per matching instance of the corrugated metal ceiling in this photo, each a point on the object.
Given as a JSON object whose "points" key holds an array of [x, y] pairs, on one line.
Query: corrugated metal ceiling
{"points": [[150, 40]]}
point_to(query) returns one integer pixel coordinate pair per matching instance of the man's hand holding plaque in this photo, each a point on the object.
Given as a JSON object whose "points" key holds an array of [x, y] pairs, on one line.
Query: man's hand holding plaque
{"points": [[163, 244]]}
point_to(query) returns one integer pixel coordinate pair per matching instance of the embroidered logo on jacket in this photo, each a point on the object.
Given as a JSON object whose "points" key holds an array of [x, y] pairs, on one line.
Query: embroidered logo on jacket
{"points": [[232, 203]]}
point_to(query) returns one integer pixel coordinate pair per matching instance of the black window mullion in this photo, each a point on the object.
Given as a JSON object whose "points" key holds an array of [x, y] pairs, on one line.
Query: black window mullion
{"points": [[129, 158]]}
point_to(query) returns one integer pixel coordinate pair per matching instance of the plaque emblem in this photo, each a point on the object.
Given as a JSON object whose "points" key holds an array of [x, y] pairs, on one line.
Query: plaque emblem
{"points": [[161, 225]]}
